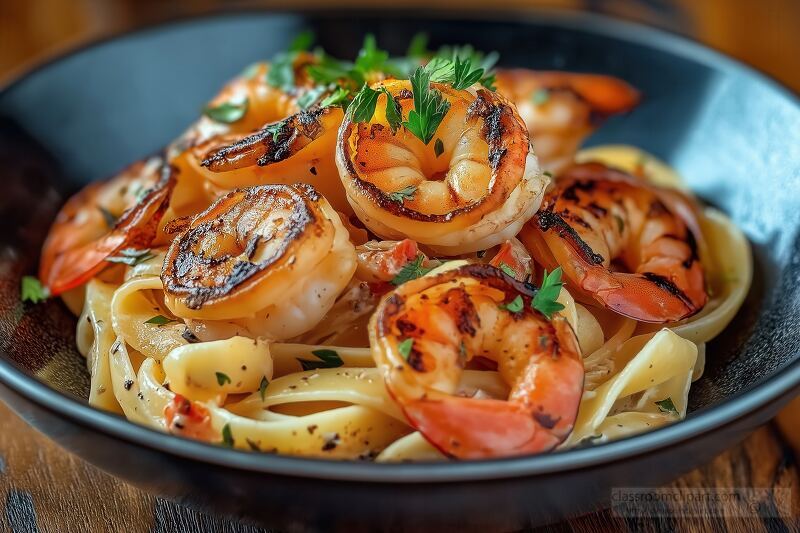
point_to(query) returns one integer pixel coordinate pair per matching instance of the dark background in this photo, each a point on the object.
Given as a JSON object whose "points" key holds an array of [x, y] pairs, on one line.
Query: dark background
{"points": [[762, 33]]}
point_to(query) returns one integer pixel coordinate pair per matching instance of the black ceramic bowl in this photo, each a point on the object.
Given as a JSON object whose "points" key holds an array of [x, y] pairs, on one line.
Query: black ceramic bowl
{"points": [[734, 134]]}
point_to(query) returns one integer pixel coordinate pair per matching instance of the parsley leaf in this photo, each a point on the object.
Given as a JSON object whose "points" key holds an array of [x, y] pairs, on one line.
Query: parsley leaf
{"points": [[331, 71], [430, 107], [418, 47], [540, 96], [131, 256], [281, 72], [441, 70], [159, 320], [302, 41], [362, 108], [226, 112], [667, 406], [406, 193], [438, 147], [327, 359], [262, 387], [514, 306], [33, 291], [463, 74], [276, 130], [475, 57], [545, 299], [336, 98], [310, 97], [404, 347], [507, 269], [222, 378], [370, 57], [227, 436], [411, 270], [394, 113]]}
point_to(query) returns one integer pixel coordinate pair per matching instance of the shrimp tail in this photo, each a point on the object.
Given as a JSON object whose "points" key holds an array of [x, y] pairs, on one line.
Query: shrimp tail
{"points": [[137, 228], [506, 429], [606, 95]]}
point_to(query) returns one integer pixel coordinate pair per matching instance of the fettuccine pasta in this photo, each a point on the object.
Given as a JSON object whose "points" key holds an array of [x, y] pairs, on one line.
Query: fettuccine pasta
{"points": [[423, 288]]}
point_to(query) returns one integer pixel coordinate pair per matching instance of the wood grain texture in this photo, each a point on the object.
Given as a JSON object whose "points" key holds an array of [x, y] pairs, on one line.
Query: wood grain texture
{"points": [[43, 488]]}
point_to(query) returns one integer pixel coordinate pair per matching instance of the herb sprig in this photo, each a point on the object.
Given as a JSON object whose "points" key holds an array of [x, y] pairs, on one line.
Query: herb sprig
{"points": [[545, 299], [411, 270], [327, 359], [131, 256], [33, 291], [430, 107]]}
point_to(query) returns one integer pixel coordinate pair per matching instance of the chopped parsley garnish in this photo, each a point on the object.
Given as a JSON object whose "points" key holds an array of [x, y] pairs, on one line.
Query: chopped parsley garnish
{"points": [[545, 299], [108, 217], [222, 378], [159, 320], [548, 173], [275, 129], [430, 107], [667, 406], [311, 96], [262, 387], [406, 193], [394, 113], [540, 96], [370, 57], [438, 147], [131, 256], [405, 347], [339, 97], [226, 112], [33, 291], [411, 270], [281, 69], [464, 75], [362, 108], [302, 41], [331, 71], [473, 57], [514, 306], [507, 270], [227, 436], [327, 359], [418, 47]]}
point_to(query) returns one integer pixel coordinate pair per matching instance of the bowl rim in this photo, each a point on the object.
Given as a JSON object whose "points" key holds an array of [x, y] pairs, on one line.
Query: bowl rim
{"points": [[703, 421]]}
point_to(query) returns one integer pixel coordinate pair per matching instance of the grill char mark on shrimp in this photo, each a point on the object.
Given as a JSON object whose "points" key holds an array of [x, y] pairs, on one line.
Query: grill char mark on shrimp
{"points": [[470, 196], [636, 251], [457, 315]]}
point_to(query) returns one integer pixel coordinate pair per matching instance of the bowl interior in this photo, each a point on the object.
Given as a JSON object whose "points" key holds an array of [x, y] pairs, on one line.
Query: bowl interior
{"points": [[733, 135]]}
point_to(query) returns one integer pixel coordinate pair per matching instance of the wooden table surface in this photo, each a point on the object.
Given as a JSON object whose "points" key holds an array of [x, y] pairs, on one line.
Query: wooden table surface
{"points": [[44, 488]]}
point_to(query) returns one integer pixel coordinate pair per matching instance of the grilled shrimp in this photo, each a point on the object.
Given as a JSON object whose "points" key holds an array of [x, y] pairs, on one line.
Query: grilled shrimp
{"points": [[273, 141], [271, 259], [476, 193], [621, 242], [424, 334], [254, 101], [299, 148], [104, 219], [561, 109]]}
